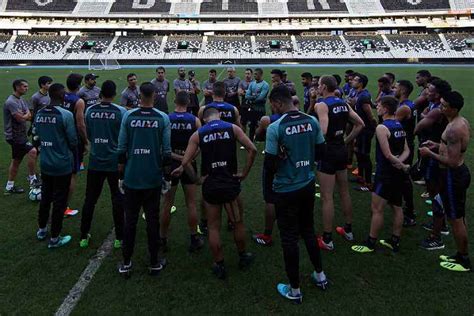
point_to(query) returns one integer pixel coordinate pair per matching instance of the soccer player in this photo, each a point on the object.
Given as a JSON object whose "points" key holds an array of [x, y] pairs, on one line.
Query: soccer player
{"points": [[41, 98], [265, 238], [421, 103], [334, 114], [76, 105], [306, 80], [406, 116], [56, 129], [288, 83], [339, 92], [183, 84], [363, 107], [391, 152], [232, 88], [130, 97], [348, 76], [455, 179], [228, 112], [90, 93], [292, 145], [183, 125], [431, 127], [208, 86], [162, 87], [256, 97], [244, 106], [15, 116], [145, 157], [385, 88], [391, 78], [277, 77], [103, 122], [217, 142]]}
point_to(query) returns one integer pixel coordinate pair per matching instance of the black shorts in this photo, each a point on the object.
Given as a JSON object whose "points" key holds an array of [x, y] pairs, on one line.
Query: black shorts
{"points": [[220, 189], [390, 190], [185, 179], [334, 160], [78, 158], [432, 171], [20, 150], [364, 142], [267, 187], [244, 115], [454, 185]]}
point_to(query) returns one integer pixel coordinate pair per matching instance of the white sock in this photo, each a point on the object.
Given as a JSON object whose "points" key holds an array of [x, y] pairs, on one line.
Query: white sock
{"points": [[43, 230], [320, 276], [10, 185], [32, 177], [295, 291]]}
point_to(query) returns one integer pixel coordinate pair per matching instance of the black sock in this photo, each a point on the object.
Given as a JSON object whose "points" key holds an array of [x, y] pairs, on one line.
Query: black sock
{"points": [[327, 237], [395, 239], [348, 228], [371, 242], [267, 232]]}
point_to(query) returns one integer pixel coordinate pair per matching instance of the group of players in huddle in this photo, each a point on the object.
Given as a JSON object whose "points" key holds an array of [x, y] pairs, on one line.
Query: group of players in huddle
{"points": [[143, 152]]}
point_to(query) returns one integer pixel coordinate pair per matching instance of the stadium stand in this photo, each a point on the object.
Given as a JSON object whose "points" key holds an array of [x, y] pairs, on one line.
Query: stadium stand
{"points": [[231, 6], [228, 46], [408, 5], [134, 47], [38, 47], [41, 5], [417, 45], [148, 7], [305, 6], [324, 47]]}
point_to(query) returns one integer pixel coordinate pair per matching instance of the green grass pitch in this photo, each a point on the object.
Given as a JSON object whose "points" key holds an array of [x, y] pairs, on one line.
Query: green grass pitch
{"points": [[35, 280]]}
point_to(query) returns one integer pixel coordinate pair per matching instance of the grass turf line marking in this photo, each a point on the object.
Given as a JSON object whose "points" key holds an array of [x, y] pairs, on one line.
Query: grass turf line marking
{"points": [[86, 277]]}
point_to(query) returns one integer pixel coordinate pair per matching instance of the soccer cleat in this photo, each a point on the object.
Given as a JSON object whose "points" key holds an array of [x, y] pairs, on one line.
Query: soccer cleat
{"points": [[219, 271], [425, 195], [41, 234], [429, 227], [196, 244], [144, 216], [390, 245], [453, 258], [70, 212], [82, 167], [242, 147], [324, 246], [347, 236], [364, 188], [318, 195], [429, 213], [409, 222], [456, 267], [60, 241], [155, 269], [362, 248], [432, 243], [117, 244], [84, 243], [262, 239], [419, 182], [285, 291], [125, 270], [173, 209], [246, 259], [428, 202], [322, 284], [14, 190]]}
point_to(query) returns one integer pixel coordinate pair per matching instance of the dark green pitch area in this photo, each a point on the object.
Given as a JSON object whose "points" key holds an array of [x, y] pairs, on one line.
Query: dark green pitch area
{"points": [[35, 280]]}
